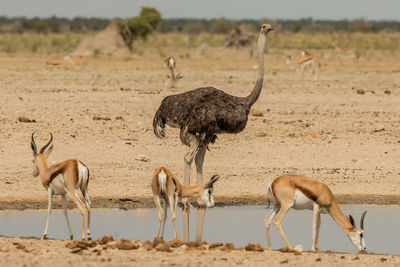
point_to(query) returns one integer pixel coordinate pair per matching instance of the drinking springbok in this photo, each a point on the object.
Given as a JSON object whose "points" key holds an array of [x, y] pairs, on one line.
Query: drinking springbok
{"points": [[61, 179], [300, 192], [166, 186]]}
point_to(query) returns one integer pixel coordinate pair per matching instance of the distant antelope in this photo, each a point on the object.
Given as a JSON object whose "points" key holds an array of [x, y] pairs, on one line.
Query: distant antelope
{"points": [[299, 192], [346, 53], [56, 61], [67, 60], [63, 178], [288, 59], [165, 186], [306, 61], [170, 64], [75, 61]]}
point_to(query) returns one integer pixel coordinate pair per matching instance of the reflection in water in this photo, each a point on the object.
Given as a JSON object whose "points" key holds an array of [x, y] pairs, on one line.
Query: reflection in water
{"points": [[239, 225]]}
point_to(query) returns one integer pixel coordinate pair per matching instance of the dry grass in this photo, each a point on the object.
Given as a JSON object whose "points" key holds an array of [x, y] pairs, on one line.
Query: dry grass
{"points": [[162, 43]]}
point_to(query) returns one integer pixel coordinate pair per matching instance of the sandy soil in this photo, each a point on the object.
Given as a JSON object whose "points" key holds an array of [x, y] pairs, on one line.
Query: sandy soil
{"points": [[33, 252], [320, 128]]}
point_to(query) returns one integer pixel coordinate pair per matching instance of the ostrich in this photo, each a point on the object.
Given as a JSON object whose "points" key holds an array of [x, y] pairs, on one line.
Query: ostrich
{"points": [[201, 114]]}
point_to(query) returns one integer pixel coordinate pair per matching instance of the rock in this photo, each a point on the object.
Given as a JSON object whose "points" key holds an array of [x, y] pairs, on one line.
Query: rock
{"points": [[80, 244], [104, 240], [126, 244], [119, 118], [20, 246], [25, 119], [176, 243], [387, 92], [228, 247], [95, 89], [163, 247], [76, 251], [261, 134], [253, 247], [147, 245], [142, 157], [99, 118], [216, 245], [256, 113], [360, 91]]}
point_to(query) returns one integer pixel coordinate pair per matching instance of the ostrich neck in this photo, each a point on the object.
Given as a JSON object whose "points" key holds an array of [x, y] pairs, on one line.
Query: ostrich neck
{"points": [[255, 93]]}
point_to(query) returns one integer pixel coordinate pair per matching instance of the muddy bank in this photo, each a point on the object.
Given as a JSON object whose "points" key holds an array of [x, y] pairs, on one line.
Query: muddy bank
{"points": [[147, 202]]}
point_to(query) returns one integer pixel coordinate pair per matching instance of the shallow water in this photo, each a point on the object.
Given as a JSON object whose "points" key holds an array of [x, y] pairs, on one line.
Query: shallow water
{"points": [[237, 224]]}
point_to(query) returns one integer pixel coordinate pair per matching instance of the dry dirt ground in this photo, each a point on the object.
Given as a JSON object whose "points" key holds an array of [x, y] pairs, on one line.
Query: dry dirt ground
{"points": [[33, 252], [320, 128]]}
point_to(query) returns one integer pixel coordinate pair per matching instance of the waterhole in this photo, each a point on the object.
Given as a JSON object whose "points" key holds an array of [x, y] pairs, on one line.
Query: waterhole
{"points": [[237, 224]]}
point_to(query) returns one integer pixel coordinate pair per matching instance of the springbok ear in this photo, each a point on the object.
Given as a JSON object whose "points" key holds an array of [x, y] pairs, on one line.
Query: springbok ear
{"points": [[352, 221], [47, 153]]}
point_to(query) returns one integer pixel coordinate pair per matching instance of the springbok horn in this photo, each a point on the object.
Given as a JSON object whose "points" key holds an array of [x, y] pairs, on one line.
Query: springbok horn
{"points": [[33, 144], [362, 220], [46, 145], [213, 179]]}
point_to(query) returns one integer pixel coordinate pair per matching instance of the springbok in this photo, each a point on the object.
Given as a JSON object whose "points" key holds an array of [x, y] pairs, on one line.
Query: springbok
{"points": [[61, 179], [300, 192], [306, 60], [67, 60], [170, 64], [166, 186]]}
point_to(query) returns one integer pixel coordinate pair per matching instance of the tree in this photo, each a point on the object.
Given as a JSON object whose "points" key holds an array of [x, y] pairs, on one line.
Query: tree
{"points": [[140, 26]]}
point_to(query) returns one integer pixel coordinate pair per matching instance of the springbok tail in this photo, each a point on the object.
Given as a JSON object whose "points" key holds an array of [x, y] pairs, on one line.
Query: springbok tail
{"points": [[270, 195], [162, 180]]}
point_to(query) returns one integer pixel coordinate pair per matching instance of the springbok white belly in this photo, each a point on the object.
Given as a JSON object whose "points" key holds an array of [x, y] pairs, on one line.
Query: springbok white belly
{"points": [[301, 202], [57, 185]]}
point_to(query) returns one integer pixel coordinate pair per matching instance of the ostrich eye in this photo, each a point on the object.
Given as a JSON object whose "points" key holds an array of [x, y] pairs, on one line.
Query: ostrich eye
{"points": [[209, 191], [361, 235]]}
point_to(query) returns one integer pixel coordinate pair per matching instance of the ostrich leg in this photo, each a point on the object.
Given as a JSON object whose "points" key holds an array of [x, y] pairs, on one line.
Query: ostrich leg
{"points": [[192, 151], [201, 211]]}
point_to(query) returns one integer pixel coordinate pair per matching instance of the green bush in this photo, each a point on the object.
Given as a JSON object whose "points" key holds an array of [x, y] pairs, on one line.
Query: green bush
{"points": [[140, 26]]}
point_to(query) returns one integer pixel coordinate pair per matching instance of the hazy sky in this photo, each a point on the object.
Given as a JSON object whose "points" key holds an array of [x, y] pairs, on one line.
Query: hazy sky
{"points": [[233, 9]]}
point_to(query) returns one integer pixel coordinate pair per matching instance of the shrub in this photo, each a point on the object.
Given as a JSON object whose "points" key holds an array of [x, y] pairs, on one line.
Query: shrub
{"points": [[140, 26]]}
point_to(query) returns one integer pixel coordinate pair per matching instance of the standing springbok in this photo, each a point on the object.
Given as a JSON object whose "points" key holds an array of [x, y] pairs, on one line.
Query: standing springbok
{"points": [[166, 186], [299, 192], [61, 179], [170, 64]]}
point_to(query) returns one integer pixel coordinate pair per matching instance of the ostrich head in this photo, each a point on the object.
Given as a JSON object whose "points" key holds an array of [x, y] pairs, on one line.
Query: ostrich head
{"points": [[266, 28]]}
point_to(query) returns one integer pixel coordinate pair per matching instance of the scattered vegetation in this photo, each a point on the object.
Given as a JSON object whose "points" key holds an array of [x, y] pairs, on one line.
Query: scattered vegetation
{"points": [[58, 35]]}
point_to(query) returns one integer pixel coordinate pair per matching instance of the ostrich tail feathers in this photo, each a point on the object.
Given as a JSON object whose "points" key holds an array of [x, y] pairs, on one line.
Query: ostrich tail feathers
{"points": [[159, 126]]}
